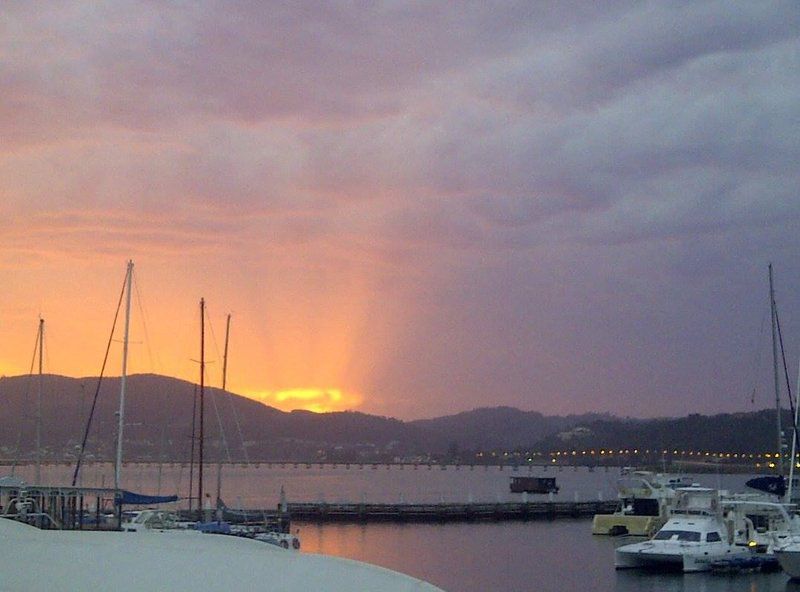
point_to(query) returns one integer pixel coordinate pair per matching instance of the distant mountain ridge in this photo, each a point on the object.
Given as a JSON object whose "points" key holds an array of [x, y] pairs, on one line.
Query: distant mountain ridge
{"points": [[159, 426]]}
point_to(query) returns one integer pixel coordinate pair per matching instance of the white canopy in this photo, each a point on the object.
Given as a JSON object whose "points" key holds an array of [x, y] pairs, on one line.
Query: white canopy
{"points": [[66, 561]]}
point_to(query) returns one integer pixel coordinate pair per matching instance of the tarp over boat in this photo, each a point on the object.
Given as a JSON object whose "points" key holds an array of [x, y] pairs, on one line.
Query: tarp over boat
{"points": [[774, 484], [138, 499]]}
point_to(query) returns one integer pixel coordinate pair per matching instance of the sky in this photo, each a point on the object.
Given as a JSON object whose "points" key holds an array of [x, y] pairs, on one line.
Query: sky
{"points": [[409, 208]]}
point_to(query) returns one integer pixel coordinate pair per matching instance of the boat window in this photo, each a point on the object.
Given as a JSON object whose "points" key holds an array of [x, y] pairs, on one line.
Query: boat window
{"points": [[681, 535], [713, 537]]}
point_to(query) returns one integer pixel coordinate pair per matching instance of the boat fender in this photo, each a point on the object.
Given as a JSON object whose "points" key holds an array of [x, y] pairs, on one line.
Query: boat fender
{"points": [[296, 544]]}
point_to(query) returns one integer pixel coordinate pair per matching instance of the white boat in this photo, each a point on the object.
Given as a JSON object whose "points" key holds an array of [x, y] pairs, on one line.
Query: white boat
{"points": [[789, 557], [151, 520], [184, 561], [695, 536], [645, 500], [155, 520]]}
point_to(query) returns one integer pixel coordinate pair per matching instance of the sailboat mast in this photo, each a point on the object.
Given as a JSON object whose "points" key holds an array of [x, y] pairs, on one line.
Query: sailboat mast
{"points": [[202, 402], [225, 352], [123, 378], [224, 383], [774, 313], [793, 457], [39, 408]]}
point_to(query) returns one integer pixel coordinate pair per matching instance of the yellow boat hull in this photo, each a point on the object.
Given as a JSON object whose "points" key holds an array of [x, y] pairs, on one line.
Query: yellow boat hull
{"points": [[634, 525]]}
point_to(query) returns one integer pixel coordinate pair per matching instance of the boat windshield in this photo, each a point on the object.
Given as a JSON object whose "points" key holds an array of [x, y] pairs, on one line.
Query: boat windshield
{"points": [[681, 535]]}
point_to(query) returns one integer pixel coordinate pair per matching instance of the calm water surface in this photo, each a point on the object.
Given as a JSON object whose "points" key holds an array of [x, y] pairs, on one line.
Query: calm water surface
{"points": [[559, 556]]}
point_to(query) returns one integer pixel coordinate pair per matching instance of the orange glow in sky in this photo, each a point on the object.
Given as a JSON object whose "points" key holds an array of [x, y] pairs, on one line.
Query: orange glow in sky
{"points": [[310, 399], [280, 340]]}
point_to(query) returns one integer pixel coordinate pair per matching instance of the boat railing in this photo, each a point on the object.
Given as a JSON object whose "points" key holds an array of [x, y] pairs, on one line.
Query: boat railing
{"points": [[34, 518], [627, 492]]}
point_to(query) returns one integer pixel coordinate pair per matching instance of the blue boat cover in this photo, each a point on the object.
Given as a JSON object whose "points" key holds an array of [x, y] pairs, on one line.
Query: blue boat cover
{"points": [[138, 499], [774, 484]]}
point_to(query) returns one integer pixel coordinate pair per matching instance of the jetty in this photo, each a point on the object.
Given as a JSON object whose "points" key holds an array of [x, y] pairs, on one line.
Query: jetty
{"points": [[446, 512]]}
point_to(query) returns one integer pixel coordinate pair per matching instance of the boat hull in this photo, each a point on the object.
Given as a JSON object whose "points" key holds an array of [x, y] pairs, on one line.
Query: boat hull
{"points": [[790, 561], [673, 557]]}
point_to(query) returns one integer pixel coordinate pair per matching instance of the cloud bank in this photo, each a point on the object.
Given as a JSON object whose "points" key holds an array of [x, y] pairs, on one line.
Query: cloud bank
{"points": [[562, 207]]}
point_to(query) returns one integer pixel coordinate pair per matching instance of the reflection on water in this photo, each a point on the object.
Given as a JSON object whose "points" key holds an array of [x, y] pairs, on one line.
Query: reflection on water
{"points": [[514, 556]]}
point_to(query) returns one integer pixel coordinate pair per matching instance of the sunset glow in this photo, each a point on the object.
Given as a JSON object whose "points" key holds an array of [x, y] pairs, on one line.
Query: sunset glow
{"points": [[410, 209], [316, 400]]}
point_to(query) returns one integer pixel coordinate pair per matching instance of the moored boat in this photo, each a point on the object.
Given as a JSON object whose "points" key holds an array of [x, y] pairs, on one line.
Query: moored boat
{"points": [[645, 499], [694, 537]]}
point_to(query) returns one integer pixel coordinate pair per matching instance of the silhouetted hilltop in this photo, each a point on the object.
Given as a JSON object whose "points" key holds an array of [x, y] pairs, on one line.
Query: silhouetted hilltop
{"points": [[753, 432], [159, 426], [490, 428]]}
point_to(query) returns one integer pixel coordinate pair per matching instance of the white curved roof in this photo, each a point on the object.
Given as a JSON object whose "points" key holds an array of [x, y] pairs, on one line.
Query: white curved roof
{"points": [[56, 561]]}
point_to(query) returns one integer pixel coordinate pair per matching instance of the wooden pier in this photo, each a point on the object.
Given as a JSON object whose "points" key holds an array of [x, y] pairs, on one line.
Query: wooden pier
{"points": [[447, 512]]}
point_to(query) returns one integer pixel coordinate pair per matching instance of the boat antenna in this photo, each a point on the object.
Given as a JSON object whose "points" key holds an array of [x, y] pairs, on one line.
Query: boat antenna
{"points": [[123, 379], [39, 408], [97, 389], [774, 314]]}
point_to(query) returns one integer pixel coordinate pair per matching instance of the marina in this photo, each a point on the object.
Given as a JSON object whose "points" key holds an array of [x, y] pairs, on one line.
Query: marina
{"points": [[436, 549]]}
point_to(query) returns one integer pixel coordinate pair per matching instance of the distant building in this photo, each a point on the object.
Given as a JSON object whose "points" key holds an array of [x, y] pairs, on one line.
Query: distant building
{"points": [[575, 433]]}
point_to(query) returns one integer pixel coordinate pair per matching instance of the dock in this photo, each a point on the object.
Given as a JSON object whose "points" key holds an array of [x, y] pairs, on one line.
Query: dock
{"points": [[447, 512]]}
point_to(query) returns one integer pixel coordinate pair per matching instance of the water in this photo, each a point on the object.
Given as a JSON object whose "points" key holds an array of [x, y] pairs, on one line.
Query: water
{"points": [[259, 486], [559, 556], [475, 557]]}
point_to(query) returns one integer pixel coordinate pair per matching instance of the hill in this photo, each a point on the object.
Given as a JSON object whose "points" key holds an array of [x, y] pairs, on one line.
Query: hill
{"points": [[159, 426]]}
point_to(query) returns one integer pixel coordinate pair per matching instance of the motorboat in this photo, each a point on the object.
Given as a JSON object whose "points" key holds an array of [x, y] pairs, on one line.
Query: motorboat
{"points": [[185, 561], [788, 556], [759, 523], [695, 536], [645, 500]]}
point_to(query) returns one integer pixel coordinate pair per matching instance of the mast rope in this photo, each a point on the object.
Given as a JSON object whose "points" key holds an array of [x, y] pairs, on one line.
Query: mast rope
{"points": [[191, 450], [757, 363], [79, 461], [157, 364], [786, 375], [229, 396], [25, 397], [214, 396]]}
